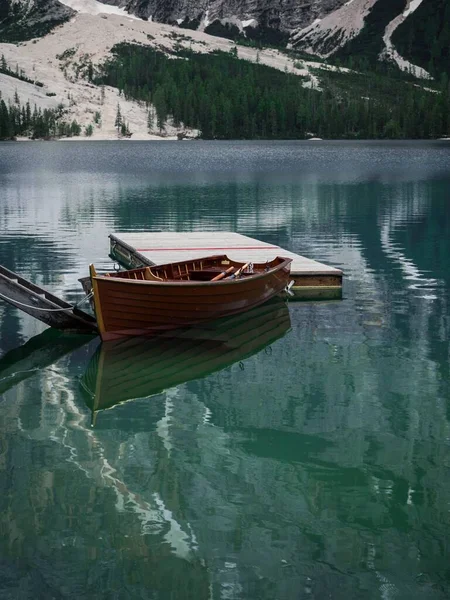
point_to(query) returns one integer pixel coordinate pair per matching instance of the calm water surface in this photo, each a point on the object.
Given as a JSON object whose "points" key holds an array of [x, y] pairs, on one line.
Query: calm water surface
{"points": [[317, 467]]}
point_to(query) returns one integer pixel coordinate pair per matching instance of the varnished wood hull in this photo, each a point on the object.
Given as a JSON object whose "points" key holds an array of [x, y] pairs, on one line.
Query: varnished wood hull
{"points": [[126, 307], [138, 367]]}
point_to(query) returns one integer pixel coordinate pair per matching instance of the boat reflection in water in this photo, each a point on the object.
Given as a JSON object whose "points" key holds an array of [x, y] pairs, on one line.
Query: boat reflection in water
{"points": [[36, 354], [138, 367]]}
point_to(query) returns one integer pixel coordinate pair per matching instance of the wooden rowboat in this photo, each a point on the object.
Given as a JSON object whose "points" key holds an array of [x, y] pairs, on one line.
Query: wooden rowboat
{"points": [[150, 299], [139, 367]]}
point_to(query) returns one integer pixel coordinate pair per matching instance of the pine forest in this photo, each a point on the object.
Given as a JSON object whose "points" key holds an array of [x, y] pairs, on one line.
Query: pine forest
{"points": [[223, 97]]}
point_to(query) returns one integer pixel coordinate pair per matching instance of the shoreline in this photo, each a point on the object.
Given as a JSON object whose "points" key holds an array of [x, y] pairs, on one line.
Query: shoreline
{"points": [[80, 138], [168, 138]]}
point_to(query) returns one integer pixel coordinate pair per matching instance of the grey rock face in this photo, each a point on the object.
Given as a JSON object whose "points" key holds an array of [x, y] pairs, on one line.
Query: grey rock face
{"points": [[285, 15]]}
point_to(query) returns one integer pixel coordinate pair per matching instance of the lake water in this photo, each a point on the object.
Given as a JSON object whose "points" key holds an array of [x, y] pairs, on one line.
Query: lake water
{"points": [[315, 467]]}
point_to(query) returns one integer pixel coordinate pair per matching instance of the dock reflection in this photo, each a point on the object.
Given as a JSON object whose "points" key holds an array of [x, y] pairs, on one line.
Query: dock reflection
{"points": [[139, 367]]}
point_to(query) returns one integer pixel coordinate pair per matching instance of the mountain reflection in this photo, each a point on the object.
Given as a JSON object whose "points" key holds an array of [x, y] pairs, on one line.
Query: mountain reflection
{"points": [[140, 367], [318, 471]]}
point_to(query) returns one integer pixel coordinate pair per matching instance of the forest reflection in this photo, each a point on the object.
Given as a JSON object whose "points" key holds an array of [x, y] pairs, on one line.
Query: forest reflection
{"points": [[320, 468]]}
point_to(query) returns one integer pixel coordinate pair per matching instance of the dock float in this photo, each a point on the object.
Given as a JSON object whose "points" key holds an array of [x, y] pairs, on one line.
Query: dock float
{"points": [[312, 280]]}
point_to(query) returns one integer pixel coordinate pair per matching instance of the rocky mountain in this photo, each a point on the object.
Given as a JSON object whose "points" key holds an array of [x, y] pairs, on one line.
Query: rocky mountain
{"points": [[414, 34], [103, 57], [257, 17], [24, 19], [371, 29]]}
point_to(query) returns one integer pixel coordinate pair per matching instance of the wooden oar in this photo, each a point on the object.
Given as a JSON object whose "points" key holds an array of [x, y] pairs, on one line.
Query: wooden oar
{"points": [[222, 275], [240, 270]]}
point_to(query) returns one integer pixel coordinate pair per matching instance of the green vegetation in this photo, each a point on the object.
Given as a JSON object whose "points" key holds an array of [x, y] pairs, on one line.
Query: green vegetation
{"points": [[20, 120], [369, 43], [258, 36], [263, 34], [17, 73], [391, 108], [296, 54], [191, 23], [19, 22], [227, 98], [81, 68], [120, 124], [424, 37], [118, 121], [67, 54]]}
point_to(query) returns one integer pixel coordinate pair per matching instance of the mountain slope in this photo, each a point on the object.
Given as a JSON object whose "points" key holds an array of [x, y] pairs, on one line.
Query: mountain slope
{"points": [[370, 40], [325, 36], [424, 36], [364, 32], [365, 29], [61, 61], [67, 66], [25, 19]]}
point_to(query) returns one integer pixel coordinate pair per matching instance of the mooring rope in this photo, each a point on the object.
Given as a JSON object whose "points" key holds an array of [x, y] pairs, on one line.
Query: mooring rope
{"points": [[16, 302]]}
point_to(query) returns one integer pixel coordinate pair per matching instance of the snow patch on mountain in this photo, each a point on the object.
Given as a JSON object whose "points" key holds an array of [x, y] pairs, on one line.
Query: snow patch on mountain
{"points": [[92, 7], [325, 36], [391, 53]]}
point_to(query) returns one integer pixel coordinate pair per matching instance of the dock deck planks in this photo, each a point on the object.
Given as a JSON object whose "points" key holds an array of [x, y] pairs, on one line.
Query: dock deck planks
{"points": [[134, 249]]}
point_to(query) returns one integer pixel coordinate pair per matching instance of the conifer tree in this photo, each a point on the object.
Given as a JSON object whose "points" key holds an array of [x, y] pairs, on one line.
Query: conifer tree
{"points": [[151, 118], [6, 131], [159, 100], [118, 121]]}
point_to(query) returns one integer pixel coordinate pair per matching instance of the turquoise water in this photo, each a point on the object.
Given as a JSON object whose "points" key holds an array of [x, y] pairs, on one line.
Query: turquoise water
{"points": [[316, 466]]}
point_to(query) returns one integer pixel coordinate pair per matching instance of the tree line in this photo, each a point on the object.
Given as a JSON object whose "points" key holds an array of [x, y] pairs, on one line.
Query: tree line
{"points": [[17, 73], [227, 98], [18, 119]]}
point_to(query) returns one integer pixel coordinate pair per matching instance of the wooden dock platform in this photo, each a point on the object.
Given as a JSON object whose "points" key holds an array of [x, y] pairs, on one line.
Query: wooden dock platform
{"points": [[313, 280]]}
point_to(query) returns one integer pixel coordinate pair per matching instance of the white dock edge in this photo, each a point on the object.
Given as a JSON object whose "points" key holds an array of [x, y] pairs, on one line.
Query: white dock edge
{"points": [[134, 249]]}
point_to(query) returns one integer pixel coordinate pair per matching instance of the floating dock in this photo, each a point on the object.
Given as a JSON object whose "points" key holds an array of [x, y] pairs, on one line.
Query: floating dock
{"points": [[312, 280]]}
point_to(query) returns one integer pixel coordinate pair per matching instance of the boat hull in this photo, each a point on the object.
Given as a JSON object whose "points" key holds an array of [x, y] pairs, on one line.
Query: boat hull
{"points": [[126, 307]]}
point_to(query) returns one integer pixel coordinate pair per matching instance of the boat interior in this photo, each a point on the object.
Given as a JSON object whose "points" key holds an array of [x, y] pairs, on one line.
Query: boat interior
{"points": [[215, 268]]}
